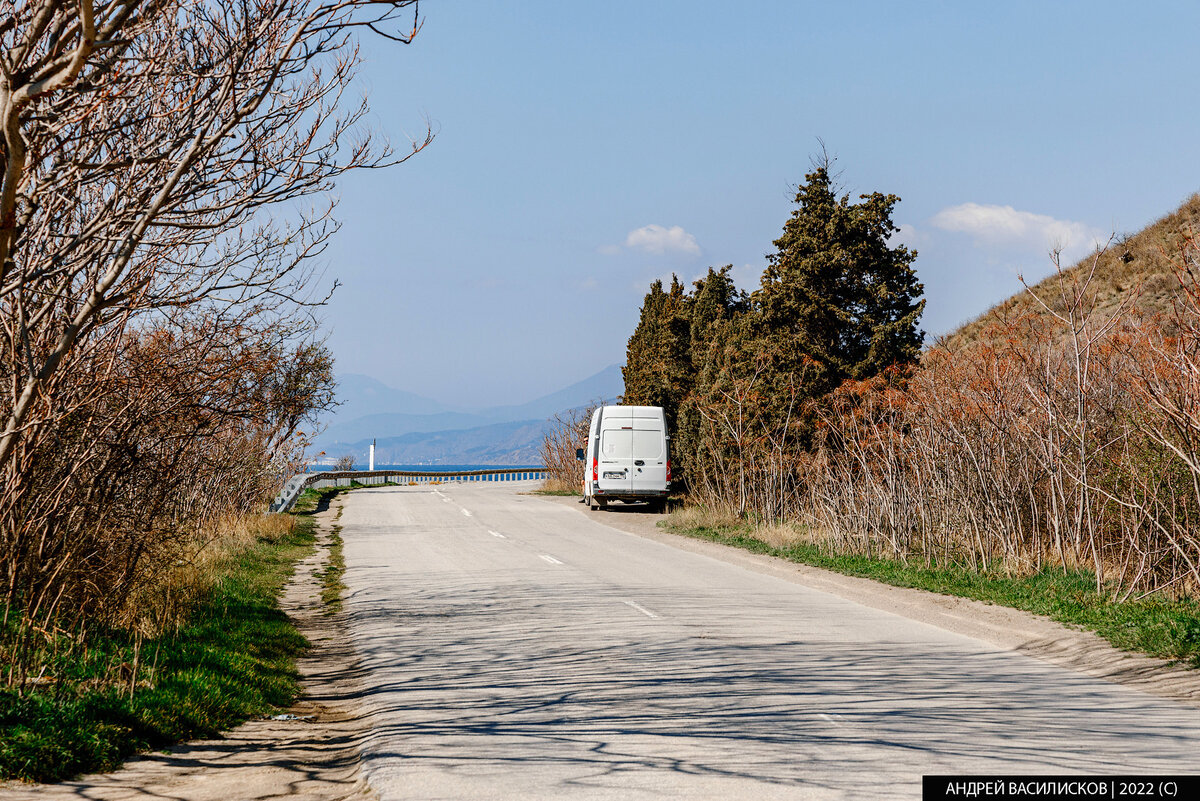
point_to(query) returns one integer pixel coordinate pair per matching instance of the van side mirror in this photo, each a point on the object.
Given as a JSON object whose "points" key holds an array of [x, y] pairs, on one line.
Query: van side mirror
{"points": [[579, 454]]}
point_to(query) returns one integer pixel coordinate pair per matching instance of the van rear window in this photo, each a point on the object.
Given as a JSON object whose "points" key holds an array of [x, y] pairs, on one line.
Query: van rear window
{"points": [[616, 444], [647, 444]]}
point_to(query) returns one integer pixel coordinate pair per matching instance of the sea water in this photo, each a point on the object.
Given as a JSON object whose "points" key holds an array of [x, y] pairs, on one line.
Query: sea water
{"points": [[432, 468]]}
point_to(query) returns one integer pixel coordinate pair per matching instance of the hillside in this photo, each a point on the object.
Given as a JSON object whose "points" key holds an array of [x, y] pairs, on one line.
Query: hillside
{"points": [[1138, 262]]}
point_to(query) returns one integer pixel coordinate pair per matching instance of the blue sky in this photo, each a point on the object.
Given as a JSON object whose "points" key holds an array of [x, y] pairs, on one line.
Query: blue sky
{"points": [[585, 149]]}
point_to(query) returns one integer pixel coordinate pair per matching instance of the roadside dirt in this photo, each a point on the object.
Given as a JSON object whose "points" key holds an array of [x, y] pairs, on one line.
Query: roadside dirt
{"points": [[1012, 629], [313, 758]]}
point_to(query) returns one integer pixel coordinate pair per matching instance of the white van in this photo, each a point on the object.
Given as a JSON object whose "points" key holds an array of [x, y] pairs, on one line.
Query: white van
{"points": [[627, 457]]}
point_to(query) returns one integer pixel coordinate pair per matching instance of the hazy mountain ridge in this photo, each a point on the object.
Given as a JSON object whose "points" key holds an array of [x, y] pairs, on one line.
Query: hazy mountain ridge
{"points": [[605, 385], [361, 395], [494, 435], [515, 442], [376, 425]]}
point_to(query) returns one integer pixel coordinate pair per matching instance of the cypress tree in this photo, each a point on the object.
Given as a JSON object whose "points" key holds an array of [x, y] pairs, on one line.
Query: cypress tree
{"points": [[836, 302], [657, 368], [714, 301], [714, 298], [841, 302]]}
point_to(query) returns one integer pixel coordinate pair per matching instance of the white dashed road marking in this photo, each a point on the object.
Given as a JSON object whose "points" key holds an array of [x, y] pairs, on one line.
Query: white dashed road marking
{"points": [[466, 513], [641, 609], [549, 558], [497, 534]]}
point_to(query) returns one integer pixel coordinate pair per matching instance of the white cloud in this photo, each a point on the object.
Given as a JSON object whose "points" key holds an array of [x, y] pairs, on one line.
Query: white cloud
{"points": [[904, 234], [658, 240], [1005, 227]]}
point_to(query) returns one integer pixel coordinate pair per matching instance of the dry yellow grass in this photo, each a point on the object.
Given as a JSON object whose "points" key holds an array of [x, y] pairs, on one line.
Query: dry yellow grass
{"points": [[194, 566], [778, 534], [702, 517], [783, 535], [553, 483]]}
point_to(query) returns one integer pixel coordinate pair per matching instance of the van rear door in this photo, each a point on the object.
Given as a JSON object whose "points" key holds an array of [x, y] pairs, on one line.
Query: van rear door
{"points": [[616, 451], [649, 448], [616, 454]]}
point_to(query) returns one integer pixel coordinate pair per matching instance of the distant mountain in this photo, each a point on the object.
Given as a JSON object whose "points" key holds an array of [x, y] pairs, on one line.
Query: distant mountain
{"points": [[418, 429], [376, 425], [606, 385], [513, 442], [362, 395]]}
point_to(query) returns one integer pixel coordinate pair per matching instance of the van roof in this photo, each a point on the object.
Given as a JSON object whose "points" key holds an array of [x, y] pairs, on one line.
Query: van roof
{"points": [[654, 412]]}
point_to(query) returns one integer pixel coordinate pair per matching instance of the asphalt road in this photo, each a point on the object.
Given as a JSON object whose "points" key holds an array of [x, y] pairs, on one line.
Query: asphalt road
{"points": [[513, 648]]}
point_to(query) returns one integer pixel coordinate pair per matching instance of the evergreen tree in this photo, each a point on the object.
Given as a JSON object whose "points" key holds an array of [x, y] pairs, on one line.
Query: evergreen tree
{"points": [[657, 368], [670, 346], [736, 375], [713, 302], [714, 298], [839, 301]]}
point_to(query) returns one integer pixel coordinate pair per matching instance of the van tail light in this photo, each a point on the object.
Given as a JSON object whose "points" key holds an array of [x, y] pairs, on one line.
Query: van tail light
{"points": [[668, 470], [595, 466]]}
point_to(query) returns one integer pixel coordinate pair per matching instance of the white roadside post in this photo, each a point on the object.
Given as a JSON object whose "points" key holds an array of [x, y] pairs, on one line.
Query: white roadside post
{"points": [[371, 457]]}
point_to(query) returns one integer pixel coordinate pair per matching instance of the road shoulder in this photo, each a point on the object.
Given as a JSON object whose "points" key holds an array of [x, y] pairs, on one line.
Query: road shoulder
{"points": [[1011, 629], [314, 756]]}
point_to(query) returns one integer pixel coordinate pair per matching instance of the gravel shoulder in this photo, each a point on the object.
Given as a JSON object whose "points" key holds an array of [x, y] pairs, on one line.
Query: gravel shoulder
{"points": [[312, 758], [1012, 629]]}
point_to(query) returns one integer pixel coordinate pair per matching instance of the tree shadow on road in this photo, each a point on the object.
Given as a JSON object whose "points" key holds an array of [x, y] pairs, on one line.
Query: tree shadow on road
{"points": [[501, 679]]}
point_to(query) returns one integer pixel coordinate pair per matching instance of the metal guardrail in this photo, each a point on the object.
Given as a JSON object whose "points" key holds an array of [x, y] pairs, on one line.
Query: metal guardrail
{"points": [[302, 481]]}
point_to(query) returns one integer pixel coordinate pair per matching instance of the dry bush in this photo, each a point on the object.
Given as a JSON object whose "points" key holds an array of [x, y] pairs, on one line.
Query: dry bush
{"points": [[176, 432], [567, 432], [748, 459], [158, 358], [1065, 438]]}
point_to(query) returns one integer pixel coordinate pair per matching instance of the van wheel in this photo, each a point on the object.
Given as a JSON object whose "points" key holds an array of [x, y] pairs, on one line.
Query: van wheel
{"points": [[591, 502]]}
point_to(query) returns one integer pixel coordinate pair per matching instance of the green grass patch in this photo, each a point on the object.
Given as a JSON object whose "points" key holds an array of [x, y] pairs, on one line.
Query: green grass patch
{"points": [[234, 659], [1162, 627], [335, 568], [559, 493], [317, 500]]}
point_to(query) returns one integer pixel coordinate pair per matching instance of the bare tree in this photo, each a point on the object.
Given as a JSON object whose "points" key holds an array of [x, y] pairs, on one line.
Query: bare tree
{"points": [[143, 142], [164, 189], [1068, 445], [566, 431]]}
